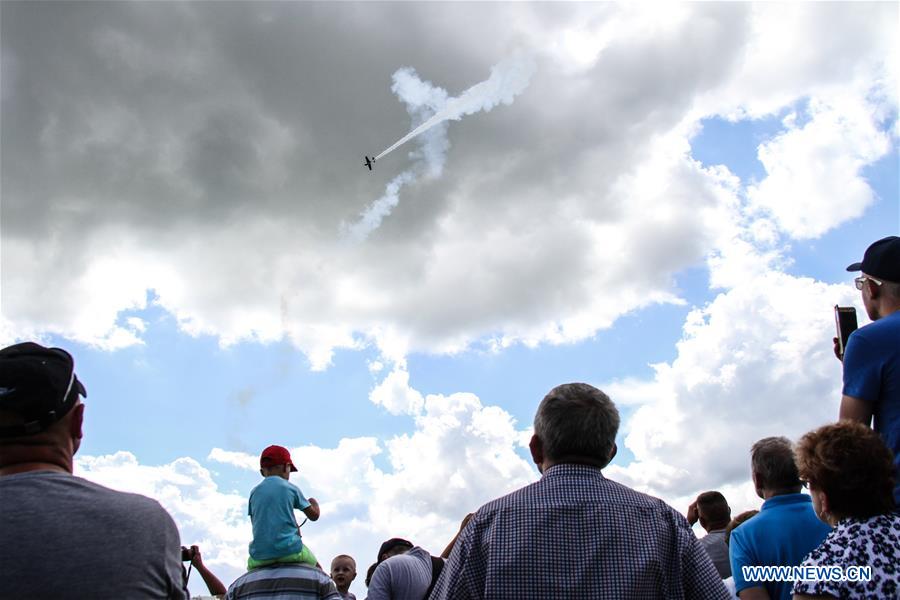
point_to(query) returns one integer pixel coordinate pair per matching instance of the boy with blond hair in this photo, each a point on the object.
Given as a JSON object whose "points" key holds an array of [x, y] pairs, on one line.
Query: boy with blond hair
{"points": [[343, 572]]}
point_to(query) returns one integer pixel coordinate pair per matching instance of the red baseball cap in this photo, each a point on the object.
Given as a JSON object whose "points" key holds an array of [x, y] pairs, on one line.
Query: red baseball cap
{"points": [[274, 456]]}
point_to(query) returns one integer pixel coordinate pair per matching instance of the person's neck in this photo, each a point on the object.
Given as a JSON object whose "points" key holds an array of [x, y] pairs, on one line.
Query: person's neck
{"points": [[23, 459], [572, 460], [27, 467], [716, 527], [767, 493], [885, 309]]}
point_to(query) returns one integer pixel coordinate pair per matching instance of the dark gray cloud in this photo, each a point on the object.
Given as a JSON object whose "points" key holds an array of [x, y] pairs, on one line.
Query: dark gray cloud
{"points": [[212, 151]]}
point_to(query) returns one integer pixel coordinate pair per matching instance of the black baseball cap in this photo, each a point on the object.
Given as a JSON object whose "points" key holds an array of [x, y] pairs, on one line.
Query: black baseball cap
{"points": [[881, 260], [37, 383], [391, 544]]}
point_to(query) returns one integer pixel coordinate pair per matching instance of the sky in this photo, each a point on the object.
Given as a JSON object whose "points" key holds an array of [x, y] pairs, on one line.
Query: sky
{"points": [[657, 199]]}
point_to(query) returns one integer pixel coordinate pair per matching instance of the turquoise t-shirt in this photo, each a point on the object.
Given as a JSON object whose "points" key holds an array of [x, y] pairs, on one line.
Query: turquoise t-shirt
{"points": [[272, 505]]}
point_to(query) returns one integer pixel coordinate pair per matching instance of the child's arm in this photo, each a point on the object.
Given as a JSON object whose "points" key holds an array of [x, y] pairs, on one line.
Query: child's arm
{"points": [[312, 511]]}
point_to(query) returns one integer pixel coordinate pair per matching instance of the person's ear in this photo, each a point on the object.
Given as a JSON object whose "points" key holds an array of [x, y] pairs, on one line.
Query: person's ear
{"points": [[262, 472], [874, 289], [823, 502], [75, 426], [613, 452], [536, 446], [756, 483], [76, 422]]}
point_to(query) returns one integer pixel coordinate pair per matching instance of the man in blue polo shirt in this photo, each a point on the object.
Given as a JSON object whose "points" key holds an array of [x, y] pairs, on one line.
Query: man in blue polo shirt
{"points": [[872, 357], [786, 528]]}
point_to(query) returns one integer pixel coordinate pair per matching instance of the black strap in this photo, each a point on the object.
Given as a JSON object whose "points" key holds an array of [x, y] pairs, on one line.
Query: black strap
{"points": [[437, 565]]}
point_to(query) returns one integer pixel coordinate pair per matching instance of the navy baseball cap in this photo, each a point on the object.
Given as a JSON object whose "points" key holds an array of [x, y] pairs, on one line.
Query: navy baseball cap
{"points": [[38, 384], [391, 544], [881, 260]]}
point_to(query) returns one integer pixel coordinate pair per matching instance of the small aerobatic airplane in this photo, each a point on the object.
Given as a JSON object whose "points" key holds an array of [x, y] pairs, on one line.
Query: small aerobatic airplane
{"points": [[369, 162]]}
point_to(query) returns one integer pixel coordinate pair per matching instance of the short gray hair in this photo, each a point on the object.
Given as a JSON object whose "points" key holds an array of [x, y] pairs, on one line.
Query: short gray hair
{"points": [[577, 419], [772, 459]]}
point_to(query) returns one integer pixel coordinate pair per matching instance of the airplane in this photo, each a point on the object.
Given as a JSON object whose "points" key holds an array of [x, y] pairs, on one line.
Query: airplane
{"points": [[369, 162]]}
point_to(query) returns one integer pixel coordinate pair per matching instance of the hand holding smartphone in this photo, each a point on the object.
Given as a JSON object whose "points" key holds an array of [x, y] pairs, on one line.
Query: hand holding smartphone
{"points": [[845, 322]]}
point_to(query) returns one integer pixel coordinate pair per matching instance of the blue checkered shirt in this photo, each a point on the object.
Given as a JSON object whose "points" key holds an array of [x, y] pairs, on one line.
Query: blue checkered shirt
{"points": [[577, 535]]}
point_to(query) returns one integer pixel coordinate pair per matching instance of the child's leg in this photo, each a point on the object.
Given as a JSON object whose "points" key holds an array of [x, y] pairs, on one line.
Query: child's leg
{"points": [[304, 556]]}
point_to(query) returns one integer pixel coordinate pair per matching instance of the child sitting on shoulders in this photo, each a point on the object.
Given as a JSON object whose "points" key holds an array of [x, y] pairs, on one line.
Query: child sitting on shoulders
{"points": [[276, 535]]}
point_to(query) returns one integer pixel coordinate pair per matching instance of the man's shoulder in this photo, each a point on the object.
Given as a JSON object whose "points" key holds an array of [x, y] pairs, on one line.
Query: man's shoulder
{"points": [[415, 558], [128, 500], [78, 489], [563, 484], [713, 538], [300, 580], [881, 331], [783, 520], [285, 571]]}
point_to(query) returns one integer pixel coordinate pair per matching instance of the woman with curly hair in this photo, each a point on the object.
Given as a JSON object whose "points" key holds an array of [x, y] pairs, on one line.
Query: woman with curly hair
{"points": [[850, 475]]}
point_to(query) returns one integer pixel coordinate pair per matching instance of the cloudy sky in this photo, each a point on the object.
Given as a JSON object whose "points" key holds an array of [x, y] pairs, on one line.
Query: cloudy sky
{"points": [[659, 199]]}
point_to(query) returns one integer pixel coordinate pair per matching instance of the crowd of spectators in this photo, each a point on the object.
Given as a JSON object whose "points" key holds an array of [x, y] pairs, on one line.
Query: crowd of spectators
{"points": [[574, 533]]}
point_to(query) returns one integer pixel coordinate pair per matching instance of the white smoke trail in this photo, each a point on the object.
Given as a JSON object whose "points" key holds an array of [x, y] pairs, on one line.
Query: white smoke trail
{"points": [[508, 79], [432, 106], [371, 218]]}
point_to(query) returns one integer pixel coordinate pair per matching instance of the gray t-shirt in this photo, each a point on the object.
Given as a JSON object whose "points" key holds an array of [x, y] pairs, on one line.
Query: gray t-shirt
{"points": [[406, 576], [714, 544], [62, 536]]}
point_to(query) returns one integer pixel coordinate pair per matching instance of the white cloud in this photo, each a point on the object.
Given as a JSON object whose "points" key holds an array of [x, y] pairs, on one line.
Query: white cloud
{"points": [[814, 181], [786, 59], [757, 361], [395, 395]]}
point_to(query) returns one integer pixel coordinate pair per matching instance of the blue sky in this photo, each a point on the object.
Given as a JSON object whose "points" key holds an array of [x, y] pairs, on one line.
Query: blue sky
{"points": [[669, 221]]}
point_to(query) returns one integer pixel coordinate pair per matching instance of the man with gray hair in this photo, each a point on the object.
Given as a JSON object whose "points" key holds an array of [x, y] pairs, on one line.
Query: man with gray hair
{"points": [[786, 528], [575, 533]]}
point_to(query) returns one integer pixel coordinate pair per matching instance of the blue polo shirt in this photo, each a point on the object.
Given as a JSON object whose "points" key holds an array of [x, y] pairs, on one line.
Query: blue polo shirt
{"points": [[782, 534], [872, 374]]}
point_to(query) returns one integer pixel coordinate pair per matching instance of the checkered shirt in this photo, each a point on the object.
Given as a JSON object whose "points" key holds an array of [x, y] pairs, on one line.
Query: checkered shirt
{"points": [[577, 535]]}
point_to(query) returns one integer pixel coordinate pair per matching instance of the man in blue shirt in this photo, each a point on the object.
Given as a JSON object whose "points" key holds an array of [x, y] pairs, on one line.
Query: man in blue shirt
{"points": [[872, 357], [786, 528]]}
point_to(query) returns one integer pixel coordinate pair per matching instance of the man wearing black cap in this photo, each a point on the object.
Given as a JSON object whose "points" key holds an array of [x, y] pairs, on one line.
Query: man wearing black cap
{"points": [[403, 572], [62, 536], [872, 357]]}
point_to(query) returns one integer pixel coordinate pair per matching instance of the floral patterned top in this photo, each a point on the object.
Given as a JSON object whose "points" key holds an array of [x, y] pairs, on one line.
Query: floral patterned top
{"points": [[872, 542]]}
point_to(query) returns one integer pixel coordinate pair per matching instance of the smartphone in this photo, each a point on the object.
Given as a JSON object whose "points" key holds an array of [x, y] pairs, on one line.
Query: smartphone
{"points": [[845, 321]]}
